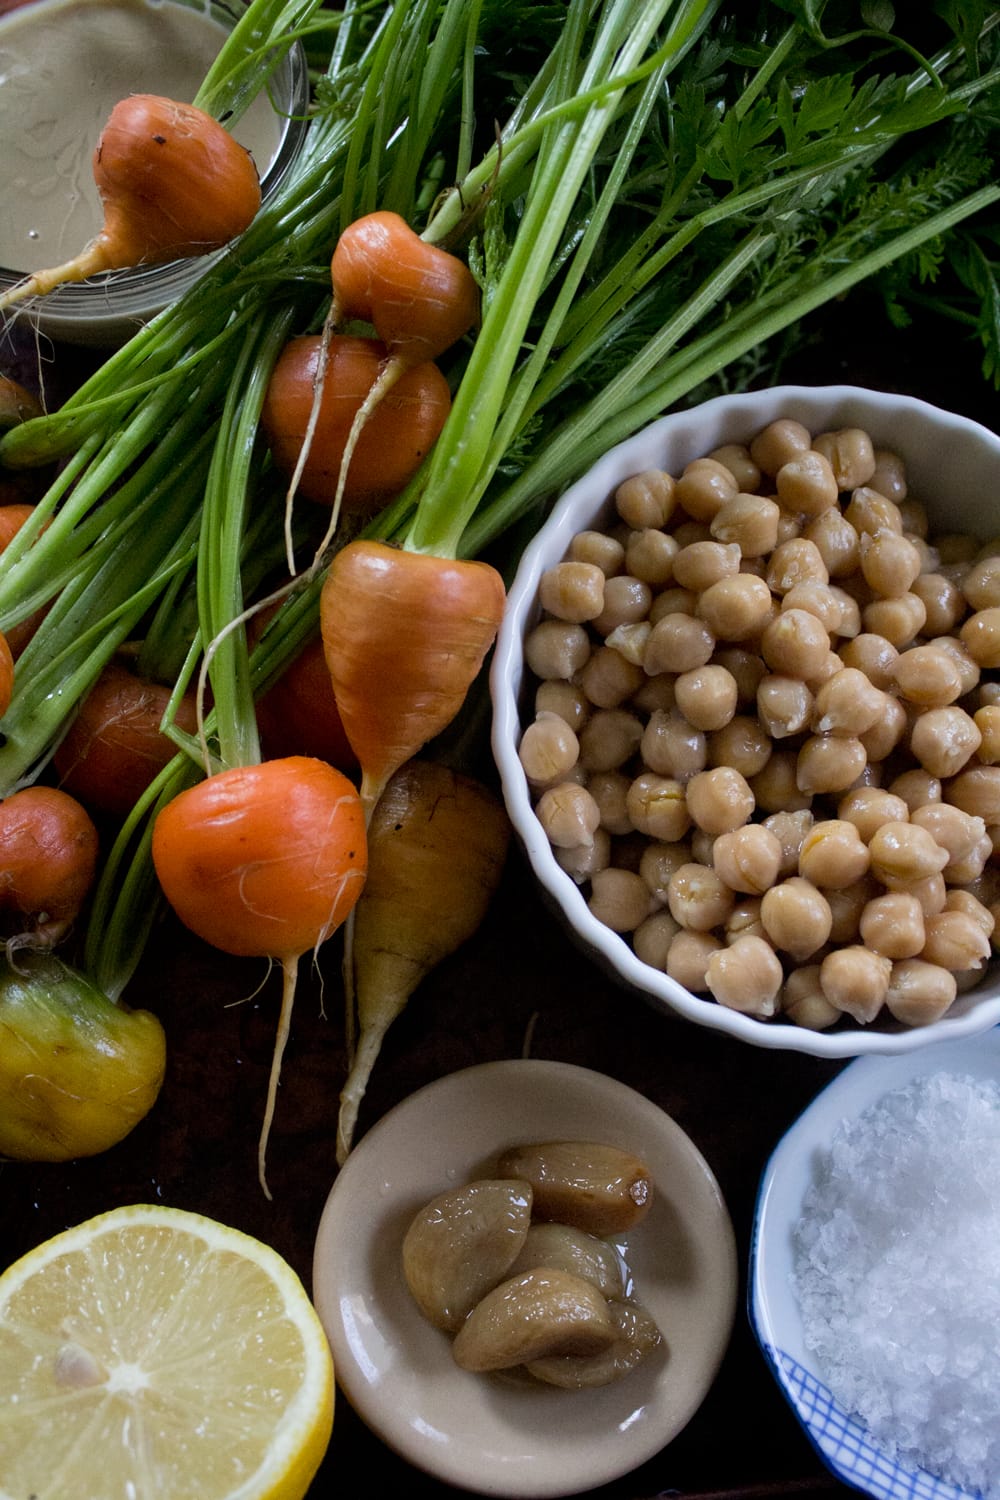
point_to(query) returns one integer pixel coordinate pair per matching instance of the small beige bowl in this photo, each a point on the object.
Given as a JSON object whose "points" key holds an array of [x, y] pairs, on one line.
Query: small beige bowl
{"points": [[499, 1434], [953, 467]]}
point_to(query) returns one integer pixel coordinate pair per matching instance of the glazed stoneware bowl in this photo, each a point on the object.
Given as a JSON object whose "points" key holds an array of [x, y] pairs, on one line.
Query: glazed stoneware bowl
{"points": [[953, 469]]}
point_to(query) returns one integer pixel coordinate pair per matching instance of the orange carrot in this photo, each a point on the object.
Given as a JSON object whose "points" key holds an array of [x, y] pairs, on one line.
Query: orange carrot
{"points": [[6, 674], [48, 860], [12, 518], [419, 298], [264, 861], [404, 635], [394, 442], [437, 842], [173, 182], [114, 747]]}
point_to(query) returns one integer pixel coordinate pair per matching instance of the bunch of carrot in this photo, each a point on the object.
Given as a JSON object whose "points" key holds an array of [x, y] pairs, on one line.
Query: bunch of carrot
{"points": [[428, 387]]}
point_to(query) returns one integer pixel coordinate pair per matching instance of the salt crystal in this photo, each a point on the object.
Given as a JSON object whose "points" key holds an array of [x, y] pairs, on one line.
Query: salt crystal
{"points": [[897, 1273]]}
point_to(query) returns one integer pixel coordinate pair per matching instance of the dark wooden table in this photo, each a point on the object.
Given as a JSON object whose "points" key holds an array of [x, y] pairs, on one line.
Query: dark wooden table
{"points": [[520, 977]]}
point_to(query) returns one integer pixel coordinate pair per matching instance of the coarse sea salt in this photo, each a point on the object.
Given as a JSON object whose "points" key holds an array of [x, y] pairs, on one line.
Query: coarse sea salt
{"points": [[897, 1272]]}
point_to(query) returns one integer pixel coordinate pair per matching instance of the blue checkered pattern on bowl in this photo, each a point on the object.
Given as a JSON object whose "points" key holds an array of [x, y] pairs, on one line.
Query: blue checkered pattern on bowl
{"points": [[846, 1445]]}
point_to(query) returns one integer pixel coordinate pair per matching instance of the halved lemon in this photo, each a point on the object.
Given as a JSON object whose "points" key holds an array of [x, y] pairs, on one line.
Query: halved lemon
{"points": [[154, 1352]]}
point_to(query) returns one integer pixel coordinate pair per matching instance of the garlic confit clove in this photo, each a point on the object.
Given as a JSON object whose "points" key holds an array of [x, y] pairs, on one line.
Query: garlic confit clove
{"points": [[564, 1248], [595, 1187], [533, 1316], [638, 1335], [461, 1244]]}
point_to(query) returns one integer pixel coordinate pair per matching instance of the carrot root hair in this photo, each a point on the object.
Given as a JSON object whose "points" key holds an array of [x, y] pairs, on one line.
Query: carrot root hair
{"points": [[289, 977]]}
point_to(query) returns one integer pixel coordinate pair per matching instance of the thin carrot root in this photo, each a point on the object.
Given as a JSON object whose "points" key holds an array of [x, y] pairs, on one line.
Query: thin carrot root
{"points": [[353, 1092], [289, 972], [88, 263], [319, 385]]}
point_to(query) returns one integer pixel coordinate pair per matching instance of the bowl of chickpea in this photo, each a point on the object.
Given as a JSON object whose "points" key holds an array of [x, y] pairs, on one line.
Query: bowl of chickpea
{"points": [[747, 718]]}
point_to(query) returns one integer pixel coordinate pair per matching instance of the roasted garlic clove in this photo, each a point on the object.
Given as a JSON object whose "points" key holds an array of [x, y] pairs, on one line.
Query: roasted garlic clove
{"points": [[461, 1244], [637, 1337], [595, 1187], [568, 1249], [532, 1316]]}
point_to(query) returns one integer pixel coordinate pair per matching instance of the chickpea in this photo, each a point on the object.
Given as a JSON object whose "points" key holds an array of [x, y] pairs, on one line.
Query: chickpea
{"points": [[678, 643], [796, 917], [850, 454], [686, 533], [869, 807], [572, 591], [672, 601], [630, 642], [672, 747], [569, 815], [702, 844], [704, 487], [900, 618], [829, 667], [803, 1002], [833, 854], [893, 925], [795, 561], [600, 550], [795, 644], [850, 613], [846, 908], [775, 788], [609, 679], [609, 738], [902, 853], [746, 977], [856, 981], [609, 790], [887, 731], [806, 484], [789, 528], [956, 831], [652, 938], [848, 703], [928, 677], [626, 599], [969, 867], [956, 548], [719, 800], [968, 670], [650, 554], [817, 599], [736, 609], [549, 750], [869, 511], [874, 656], [931, 892], [747, 670], [962, 900], [944, 740], [790, 829], [737, 459], [658, 862], [829, 763], [646, 499], [749, 521], [656, 695], [784, 705], [916, 788], [619, 899], [981, 584], [942, 601], [748, 859], [698, 898], [555, 648], [929, 560], [582, 861], [889, 563], [987, 721], [981, 636], [688, 958], [919, 992], [701, 564], [889, 475], [656, 806], [707, 696], [977, 791], [744, 921], [742, 744], [956, 941], [566, 699], [836, 541], [778, 443]]}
